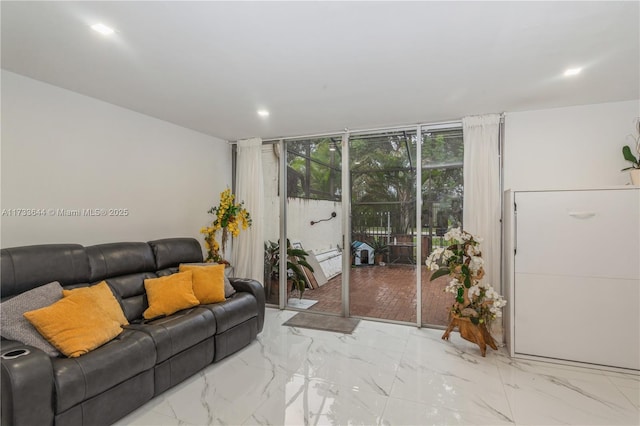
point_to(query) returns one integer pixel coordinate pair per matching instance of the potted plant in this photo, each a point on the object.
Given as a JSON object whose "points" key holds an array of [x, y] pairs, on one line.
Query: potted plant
{"points": [[628, 155], [476, 303], [296, 259], [380, 248]]}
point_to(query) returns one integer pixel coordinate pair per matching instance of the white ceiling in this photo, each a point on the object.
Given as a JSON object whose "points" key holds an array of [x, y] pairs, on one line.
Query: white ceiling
{"points": [[324, 66]]}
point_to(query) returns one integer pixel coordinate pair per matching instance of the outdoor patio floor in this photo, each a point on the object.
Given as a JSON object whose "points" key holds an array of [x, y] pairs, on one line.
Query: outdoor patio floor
{"points": [[386, 292]]}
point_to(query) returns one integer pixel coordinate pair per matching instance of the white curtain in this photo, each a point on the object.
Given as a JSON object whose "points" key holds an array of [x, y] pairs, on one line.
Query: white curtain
{"points": [[482, 195], [482, 189], [248, 247]]}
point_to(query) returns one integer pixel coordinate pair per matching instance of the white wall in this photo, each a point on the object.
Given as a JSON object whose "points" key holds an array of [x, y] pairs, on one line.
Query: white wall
{"points": [[62, 150], [573, 147], [321, 236]]}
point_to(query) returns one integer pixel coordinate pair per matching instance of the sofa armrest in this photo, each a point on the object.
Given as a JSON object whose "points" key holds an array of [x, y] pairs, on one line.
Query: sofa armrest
{"points": [[27, 385], [247, 285]]}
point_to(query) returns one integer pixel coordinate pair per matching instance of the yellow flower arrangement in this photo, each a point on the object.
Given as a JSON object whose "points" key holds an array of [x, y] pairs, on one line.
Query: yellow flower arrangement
{"points": [[229, 218]]}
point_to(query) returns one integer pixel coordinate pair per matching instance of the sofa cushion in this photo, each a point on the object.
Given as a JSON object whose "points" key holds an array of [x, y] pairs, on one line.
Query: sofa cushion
{"points": [[13, 324], [78, 379], [114, 259], [24, 268], [169, 294], [170, 252], [177, 332], [208, 282], [102, 295], [237, 309], [228, 288], [75, 324]]}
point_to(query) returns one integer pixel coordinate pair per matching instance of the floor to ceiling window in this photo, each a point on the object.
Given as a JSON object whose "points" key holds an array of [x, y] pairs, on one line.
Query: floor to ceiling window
{"points": [[442, 190], [388, 239], [314, 214], [312, 177]]}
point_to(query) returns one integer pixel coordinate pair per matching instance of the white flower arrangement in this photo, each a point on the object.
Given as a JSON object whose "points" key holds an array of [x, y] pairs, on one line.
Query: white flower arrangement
{"points": [[462, 260]]}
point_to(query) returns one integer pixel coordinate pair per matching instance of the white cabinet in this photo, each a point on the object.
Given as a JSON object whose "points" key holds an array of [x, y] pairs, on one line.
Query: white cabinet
{"points": [[572, 261]]}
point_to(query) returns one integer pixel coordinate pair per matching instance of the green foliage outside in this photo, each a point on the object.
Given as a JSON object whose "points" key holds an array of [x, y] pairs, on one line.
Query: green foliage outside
{"points": [[316, 169], [383, 172]]}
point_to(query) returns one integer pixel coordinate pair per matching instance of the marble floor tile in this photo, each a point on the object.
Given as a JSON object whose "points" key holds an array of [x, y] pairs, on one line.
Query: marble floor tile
{"points": [[632, 394], [146, 417], [410, 413], [304, 401], [568, 395], [388, 374], [453, 378]]}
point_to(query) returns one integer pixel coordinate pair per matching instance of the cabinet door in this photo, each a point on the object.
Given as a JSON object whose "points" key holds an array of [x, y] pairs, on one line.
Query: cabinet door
{"points": [[578, 233], [584, 319]]}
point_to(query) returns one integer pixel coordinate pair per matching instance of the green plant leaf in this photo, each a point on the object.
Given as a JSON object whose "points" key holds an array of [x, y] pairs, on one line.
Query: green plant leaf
{"points": [[304, 263], [296, 252], [439, 273], [626, 152], [467, 281]]}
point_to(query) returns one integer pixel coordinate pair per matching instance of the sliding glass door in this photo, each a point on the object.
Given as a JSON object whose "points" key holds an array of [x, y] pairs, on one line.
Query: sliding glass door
{"points": [[382, 175], [361, 251]]}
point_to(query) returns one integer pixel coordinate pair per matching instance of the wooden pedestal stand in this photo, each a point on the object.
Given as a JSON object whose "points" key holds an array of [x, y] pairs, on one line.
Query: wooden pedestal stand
{"points": [[477, 334]]}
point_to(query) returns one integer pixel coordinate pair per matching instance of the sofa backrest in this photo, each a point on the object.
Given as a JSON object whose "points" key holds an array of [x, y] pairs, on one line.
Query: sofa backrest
{"points": [[115, 259], [171, 252], [25, 268], [124, 266]]}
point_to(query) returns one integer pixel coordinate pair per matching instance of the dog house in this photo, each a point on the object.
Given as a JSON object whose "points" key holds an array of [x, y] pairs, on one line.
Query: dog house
{"points": [[363, 253]]}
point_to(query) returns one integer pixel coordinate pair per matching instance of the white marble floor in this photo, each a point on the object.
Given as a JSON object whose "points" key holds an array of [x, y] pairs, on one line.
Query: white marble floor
{"points": [[387, 374]]}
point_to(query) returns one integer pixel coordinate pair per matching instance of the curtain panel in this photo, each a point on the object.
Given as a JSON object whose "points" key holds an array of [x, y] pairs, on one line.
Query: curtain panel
{"points": [[482, 195], [248, 249]]}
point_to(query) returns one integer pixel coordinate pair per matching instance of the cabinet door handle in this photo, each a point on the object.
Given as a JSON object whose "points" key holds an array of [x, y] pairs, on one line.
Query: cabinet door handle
{"points": [[582, 215]]}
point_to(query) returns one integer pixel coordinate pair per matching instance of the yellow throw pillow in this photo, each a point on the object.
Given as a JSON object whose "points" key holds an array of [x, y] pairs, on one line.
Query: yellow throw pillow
{"points": [[101, 293], [208, 282], [169, 294], [74, 325]]}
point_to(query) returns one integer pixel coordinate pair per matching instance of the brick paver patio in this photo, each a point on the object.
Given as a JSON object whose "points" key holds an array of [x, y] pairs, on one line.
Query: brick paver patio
{"points": [[386, 292]]}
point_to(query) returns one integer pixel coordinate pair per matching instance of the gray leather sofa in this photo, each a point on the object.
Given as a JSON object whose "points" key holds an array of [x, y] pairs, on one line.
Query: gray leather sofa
{"points": [[146, 359]]}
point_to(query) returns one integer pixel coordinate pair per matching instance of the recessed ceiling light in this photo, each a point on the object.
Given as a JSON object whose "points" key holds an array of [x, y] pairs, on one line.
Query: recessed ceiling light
{"points": [[102, 29], [263, 113], [572, 71]]}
